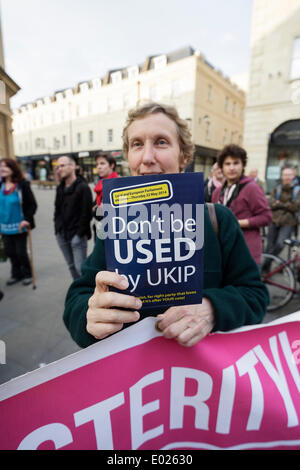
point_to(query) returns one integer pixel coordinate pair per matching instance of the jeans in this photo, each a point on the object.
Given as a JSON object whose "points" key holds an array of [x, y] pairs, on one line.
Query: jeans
{"points": [[74, 251], [15, 248], [276, 237]]}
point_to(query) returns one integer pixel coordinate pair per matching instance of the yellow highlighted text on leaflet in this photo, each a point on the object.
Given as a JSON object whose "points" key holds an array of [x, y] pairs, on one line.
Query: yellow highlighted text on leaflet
{"points": [[140, 194]]}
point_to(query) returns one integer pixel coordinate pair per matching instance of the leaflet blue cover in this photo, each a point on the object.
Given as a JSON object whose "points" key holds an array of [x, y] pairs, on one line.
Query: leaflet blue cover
{"points": [[153, 228]]}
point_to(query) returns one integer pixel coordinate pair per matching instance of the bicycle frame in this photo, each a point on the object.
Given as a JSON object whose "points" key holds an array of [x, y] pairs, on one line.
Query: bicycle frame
{"points": [[266, 277]]}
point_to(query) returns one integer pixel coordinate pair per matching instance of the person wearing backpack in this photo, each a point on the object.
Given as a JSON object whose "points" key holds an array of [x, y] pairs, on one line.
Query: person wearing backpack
{"points": [[285, 206], [244, 197], [157, 141]]}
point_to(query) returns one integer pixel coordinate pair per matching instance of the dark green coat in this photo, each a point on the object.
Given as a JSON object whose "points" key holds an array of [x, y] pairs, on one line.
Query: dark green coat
{"points": [[231, 281]]}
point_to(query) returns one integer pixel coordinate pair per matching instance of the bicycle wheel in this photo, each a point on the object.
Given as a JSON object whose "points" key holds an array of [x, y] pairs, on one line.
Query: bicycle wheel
{"points": [[279, 280]]}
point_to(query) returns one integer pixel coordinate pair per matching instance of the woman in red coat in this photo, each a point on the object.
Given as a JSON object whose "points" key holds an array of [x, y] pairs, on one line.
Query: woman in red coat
{"points": [[105, 165]]}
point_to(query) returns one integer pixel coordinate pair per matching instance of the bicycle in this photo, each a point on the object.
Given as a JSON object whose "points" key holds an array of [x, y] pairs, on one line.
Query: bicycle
{"points": [[281, 276]]}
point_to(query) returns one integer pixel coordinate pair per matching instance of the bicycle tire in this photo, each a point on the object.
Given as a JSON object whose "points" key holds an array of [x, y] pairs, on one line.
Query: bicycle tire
{"points": [[284, 280]]}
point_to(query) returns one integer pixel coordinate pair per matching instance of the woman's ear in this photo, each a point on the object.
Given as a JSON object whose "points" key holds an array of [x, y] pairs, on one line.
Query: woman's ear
{"points": [[183, 161]]}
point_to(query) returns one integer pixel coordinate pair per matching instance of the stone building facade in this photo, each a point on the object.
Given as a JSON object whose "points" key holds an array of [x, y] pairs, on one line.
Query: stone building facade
{"points": [[272, 118], [90, 116]]}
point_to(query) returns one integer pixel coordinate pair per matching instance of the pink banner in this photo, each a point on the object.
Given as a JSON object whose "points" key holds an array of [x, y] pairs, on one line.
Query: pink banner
{"points": [[137, 390]]}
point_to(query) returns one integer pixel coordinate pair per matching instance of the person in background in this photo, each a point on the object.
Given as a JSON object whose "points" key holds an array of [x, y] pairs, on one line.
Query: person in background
{"points": [[106, 166], [285, 203], [244, 197], [157, 141], [43, 171], [17, 208], [254, 174], [214, 181], [72, 215]]}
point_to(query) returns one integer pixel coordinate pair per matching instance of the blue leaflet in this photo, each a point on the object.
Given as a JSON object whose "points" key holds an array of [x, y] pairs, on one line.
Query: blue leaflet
{"points": [[153, 228]]}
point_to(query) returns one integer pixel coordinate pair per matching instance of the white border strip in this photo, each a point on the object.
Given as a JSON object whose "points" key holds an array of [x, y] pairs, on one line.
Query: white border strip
{"points": [[250, 445], [134, 335]]}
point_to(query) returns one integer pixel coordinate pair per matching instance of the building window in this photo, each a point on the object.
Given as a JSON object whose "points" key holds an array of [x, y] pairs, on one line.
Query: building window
{"points": [[91, 137], [234, 109], [226, 104], [64, 141], [225, 137], [96, 83], [295, 64], [83, 87], [56, 143], [110, 135], [2, 93], [132, 72], [209, 93], [116, 77], [78, 138], [207, 129], [160, 62]]}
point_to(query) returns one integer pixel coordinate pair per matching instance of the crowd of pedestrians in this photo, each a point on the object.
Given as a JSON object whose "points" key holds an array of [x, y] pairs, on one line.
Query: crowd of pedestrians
{"points": [[278, 215], [76, 211], [73, 213]]}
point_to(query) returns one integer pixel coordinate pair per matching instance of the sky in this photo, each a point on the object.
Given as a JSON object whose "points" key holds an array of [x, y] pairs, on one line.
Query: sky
{"points": [[54, 44]]}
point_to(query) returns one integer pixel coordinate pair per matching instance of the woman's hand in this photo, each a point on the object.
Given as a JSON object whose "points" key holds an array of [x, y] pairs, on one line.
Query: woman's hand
{"points": [[187, 324], [104, 316], [23, 224]]}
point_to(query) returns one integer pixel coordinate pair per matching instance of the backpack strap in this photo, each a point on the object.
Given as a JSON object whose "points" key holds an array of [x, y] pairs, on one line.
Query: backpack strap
{"points": [[278, 191], [213, 217], [296, 190]]}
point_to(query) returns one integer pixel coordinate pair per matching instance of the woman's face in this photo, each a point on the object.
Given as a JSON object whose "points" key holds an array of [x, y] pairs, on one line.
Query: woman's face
{"points": [[6, 172], [103, 167], [153, 146]]}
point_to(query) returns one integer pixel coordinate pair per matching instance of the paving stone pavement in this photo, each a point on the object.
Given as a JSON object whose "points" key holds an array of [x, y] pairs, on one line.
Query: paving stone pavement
{"points": [[31, 320]]}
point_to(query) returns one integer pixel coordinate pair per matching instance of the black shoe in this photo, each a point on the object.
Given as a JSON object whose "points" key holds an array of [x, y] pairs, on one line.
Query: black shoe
{"points": [[13, 281], [27, 281]]}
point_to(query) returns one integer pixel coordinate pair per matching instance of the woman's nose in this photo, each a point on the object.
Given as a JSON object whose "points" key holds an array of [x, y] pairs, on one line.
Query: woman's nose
{"points": [[148, 153]]}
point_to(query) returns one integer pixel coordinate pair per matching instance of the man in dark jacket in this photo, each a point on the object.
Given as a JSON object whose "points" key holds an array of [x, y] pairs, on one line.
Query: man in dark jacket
{"points": [[285, 204], [72, 216]]}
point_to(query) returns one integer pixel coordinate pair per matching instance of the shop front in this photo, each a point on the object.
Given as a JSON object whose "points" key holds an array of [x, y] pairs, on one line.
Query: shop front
{"points": [[283, 149], [203, 160]]}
